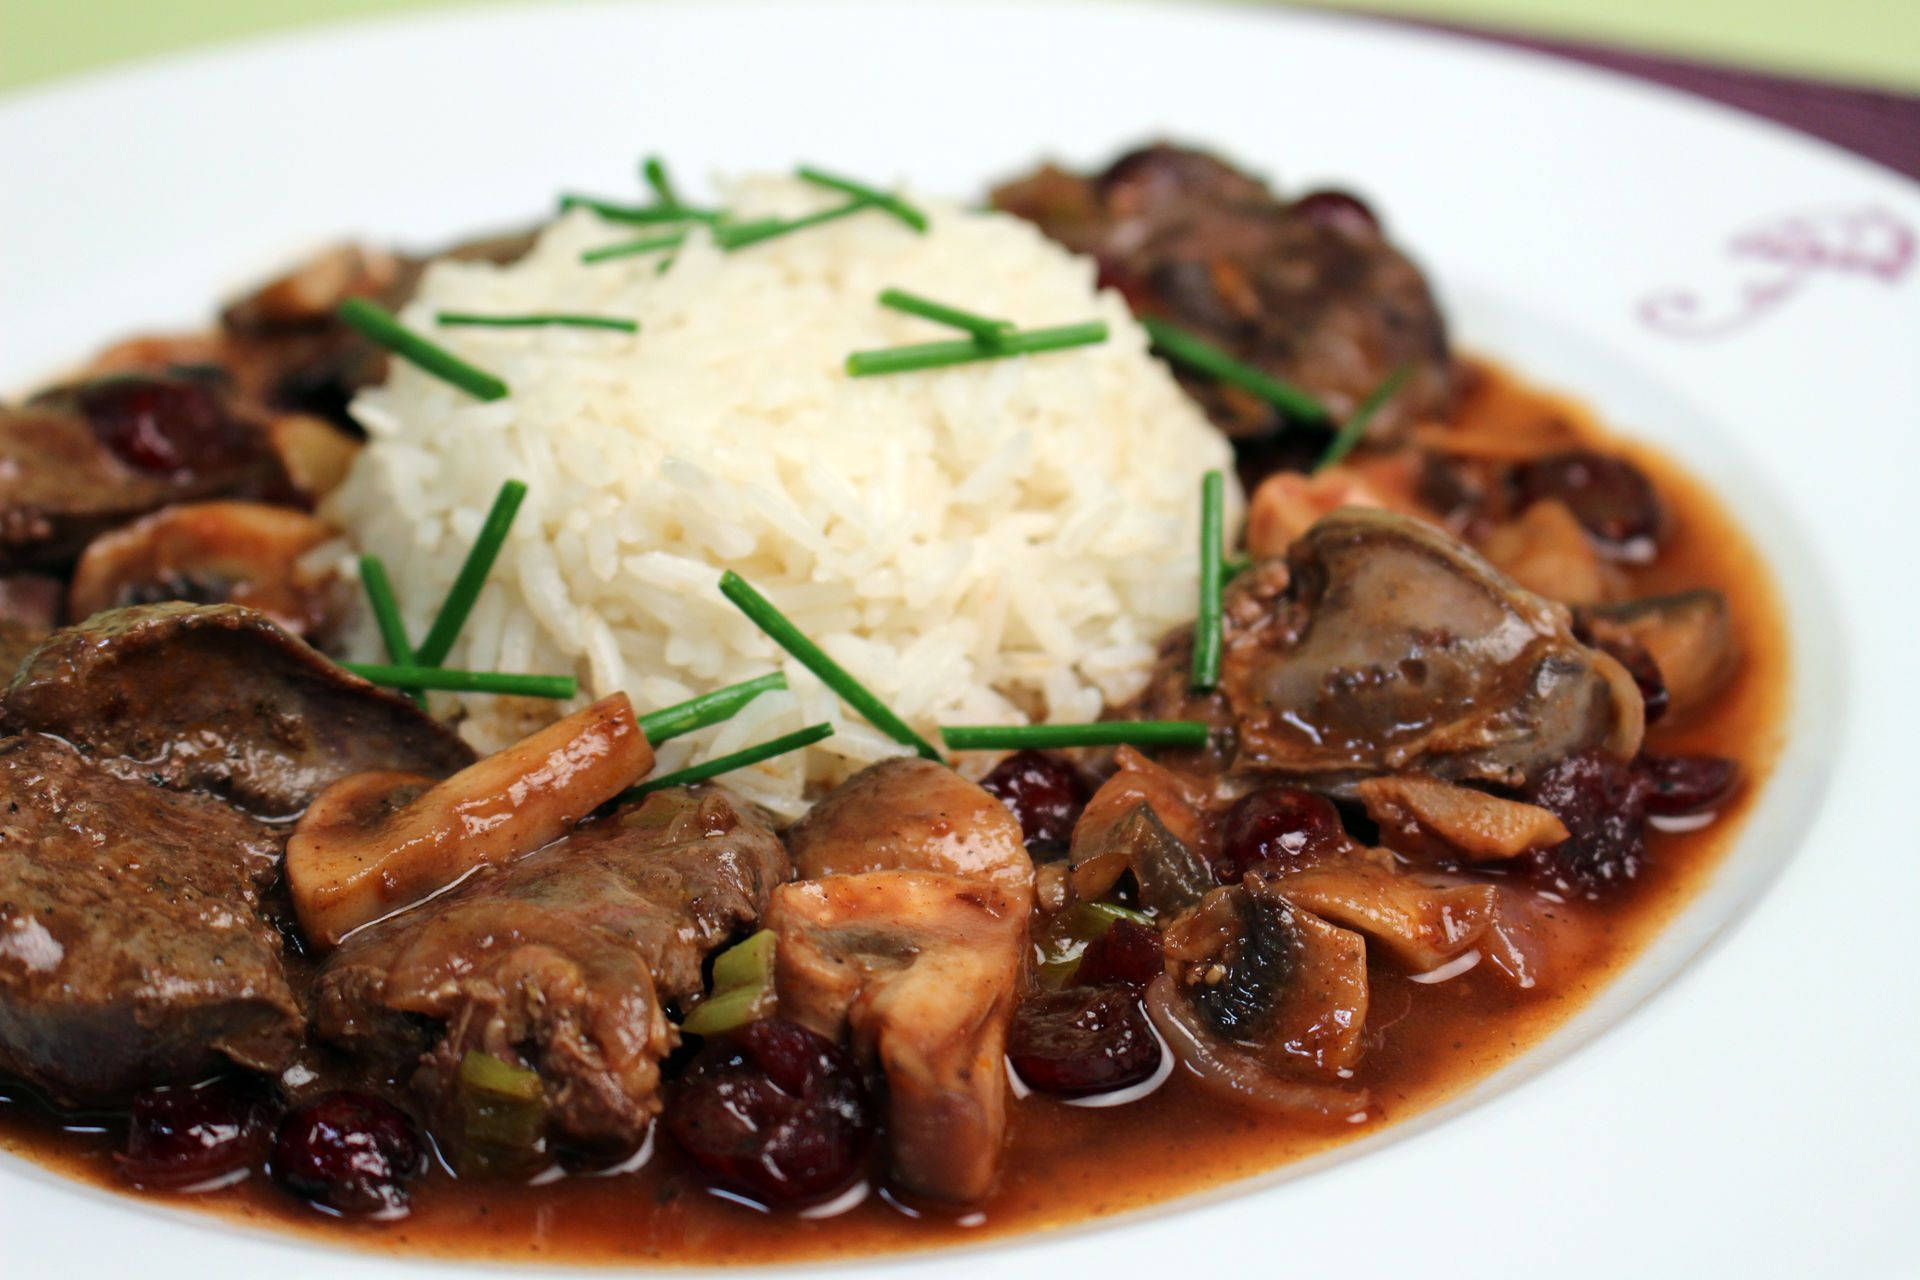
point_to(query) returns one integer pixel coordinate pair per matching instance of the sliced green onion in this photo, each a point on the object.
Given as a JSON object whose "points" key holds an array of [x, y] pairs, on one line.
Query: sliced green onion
{"points": [[1203, 357], [503, 1114], [1206, 623], [728, 763], [631, 248], [1356, 425], [386, 613], [642, 214], [742, 987], [1111, 912], [935, 355], [472, 576], [879, 199], [1102, 733], [983, 328], [374, 322], [419, 677], [738, 235], [538, 319], [654, 170], [708, 708], [836, 677]]}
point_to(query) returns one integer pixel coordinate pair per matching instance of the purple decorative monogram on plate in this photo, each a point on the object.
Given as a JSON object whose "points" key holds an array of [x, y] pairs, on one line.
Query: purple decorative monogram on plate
{"points": [[1768, 264]]}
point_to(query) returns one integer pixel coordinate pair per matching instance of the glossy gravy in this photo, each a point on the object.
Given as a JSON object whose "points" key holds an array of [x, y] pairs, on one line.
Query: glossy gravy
{"points": [[1064, 1163]]}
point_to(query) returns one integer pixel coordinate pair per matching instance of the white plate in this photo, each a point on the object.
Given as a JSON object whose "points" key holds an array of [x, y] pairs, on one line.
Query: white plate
{"points": [[1758, 1116]]}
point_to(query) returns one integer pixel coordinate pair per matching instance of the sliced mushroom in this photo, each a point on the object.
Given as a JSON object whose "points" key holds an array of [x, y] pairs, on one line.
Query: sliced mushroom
{"points": [[377, 843], [1420, 925], [920, 970], [1546, 551], [1146, 819], [217, 698], [1395, 647], [910, 814], [1689, 635], [308, 295], [1421, 815], [1273, 978], [246, 553]]}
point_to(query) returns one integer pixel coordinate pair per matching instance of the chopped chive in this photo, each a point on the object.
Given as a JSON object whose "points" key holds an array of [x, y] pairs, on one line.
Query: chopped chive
{"points": [[1356, 424], [629, 248], [728, 763], [836, 677], [1206, 623], [472, 576], [537, 319], [708, 708], [1102, 733], [936, 355], [1203, 357], [983, 328], [375, 322], [738, 235], [613, 211], [419, 677], [386, 613], [879, 199], [654, 170]]}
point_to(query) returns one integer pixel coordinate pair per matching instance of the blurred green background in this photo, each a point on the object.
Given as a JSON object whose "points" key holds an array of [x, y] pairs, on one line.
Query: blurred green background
{"points": [[1864, 42]]}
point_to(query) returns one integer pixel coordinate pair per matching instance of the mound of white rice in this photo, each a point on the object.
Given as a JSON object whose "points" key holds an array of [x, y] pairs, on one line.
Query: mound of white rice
{"points": [[983, 543]]}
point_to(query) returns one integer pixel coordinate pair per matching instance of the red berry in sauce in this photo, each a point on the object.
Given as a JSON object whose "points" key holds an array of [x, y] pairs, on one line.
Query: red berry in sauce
{"points": [[1680, 786], [164, 426], [1128, 953], [198, 1137], [1287, 826], [773, 1110], [1603, 802], [1612, 499], [349, 1153], [1082, 1041], [1044, 791]]}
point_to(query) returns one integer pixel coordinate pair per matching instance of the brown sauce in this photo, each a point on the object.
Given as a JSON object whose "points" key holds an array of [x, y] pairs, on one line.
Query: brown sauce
{"points": [[1066, 1164]]}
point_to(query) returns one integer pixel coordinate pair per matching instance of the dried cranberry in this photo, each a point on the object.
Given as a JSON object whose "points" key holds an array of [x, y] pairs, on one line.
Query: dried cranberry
{"points": [[1128, 952], [1338, 211], [1045, 792], [1683, 785], [166, 426], [1604, 804], [774, 1110], [1612, 499], [349, 1153], [1290, 826], [195, 1138], [1083, 1040]]}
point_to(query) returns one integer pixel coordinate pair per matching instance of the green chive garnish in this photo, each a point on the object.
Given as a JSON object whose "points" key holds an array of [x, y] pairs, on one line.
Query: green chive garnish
{"points": [[613, 211], [879, 199], [936, 355], [984, 329], [629, 248], [1102, 733], [1356, 425], [728, 763], [1203, 357], [738, 235], [472, 576], [386, 613], [1206, 624], [708, 708], [373, 321], [770, 620], [654, 170], [419, 677], [539, 319]]}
